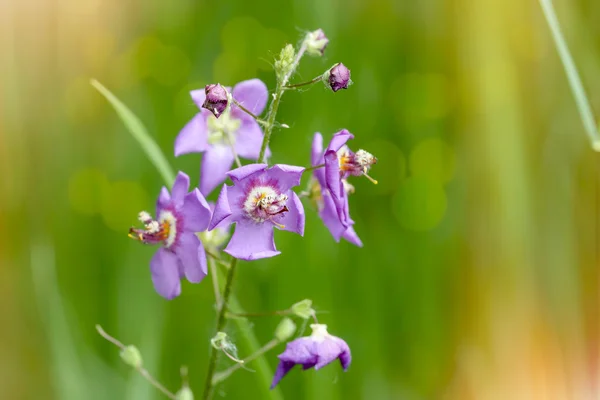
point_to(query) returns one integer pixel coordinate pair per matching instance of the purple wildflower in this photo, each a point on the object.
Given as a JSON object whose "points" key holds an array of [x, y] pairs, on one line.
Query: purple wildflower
{"points": [[316, 350], [179, 215], [340, 163], [338, 77], [339, 224], [216, 99], [260, 199], [218, 138]]}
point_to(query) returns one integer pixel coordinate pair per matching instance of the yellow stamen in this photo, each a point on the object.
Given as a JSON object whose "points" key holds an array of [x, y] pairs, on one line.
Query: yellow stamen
{"points": [[371, 179]]}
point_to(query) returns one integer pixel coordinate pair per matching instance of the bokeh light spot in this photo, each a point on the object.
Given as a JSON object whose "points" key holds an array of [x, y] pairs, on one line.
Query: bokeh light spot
{"points": [[87, 188], [121, 204], [433, 159], [419, 204]]}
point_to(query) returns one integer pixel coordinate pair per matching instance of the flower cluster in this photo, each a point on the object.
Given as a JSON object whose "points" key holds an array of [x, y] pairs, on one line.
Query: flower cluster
{"points": [[260, 198]]}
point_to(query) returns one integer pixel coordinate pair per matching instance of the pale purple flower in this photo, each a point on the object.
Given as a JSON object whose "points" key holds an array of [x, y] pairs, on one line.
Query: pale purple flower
{"points": [[216, 137], [179, 216], [338, 77], [340, 163], [314, 351], [339, 224], [316, 42], [259, 200], [216, 99]]}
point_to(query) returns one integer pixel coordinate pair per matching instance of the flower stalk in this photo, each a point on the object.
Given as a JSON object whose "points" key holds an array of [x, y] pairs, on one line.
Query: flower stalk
{"points": [[222, 375], [297, 85]]}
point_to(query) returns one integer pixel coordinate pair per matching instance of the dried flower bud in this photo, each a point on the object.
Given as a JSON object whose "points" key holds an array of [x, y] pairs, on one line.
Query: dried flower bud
{"points": [[216, 99], [283, 65], [131, 356], [185, 393], [338, 77], [316, 42], [303, 309], [285, 330]]}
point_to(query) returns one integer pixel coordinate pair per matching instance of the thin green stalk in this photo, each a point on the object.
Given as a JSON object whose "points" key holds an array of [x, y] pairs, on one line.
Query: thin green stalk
{"points": [[583, 104], [297, 85], [222, 375], [212, 364], [275, 103]]}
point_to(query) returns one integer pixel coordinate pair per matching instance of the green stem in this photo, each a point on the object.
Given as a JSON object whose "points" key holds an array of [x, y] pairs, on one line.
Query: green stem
{"points": [[221, 376], [297, 85], [281, 313], [208, 386], [583, 104], [314, 167], [275, 102]]}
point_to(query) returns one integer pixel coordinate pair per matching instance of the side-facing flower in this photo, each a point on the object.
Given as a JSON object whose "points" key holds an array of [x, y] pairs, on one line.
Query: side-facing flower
{"points": [[316, 350], [179, 215], [259, 200], [339, 224], [340, 163], [337, 77], [233, 133]]}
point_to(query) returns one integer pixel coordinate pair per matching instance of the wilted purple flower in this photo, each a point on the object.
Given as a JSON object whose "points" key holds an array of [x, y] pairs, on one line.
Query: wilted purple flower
{"points": [[260, 199], [340, 163], [338, 77], [216, 99], [316, 350], [179, 215], [316, 42], [216, 137], [339, 224]]}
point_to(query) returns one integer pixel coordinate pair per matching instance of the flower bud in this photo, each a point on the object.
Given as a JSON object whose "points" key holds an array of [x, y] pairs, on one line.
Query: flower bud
{"points": [[303, 309], [316, 42], [185, 393], [285, 330], [283, 65], [216, 99], [131, 356], [338, 77]]}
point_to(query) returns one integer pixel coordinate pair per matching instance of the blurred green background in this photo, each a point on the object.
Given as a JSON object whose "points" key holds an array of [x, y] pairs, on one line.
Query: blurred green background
{"points": [[479, 275]]}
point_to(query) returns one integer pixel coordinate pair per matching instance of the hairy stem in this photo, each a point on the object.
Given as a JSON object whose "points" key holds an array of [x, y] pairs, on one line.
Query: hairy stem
{"points": [[275, 102], [221, 376], [297, 85], [208, 386], [583, 104]]}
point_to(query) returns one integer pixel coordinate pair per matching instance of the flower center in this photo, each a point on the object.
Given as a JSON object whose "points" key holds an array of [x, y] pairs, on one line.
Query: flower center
{"points": [[221, 130], [264, 203], [163, 231], [356, 164], [319, 332]]}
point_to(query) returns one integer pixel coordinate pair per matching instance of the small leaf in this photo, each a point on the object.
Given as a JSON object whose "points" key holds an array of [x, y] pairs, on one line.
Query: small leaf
{"points": [[139, 132]]}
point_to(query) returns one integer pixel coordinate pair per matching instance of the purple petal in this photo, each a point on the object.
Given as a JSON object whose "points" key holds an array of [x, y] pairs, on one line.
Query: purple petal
{"points": [[339, 139], [316, 154], [345, 356], [328, 350], [198, 95], [192, 257], [333, 179], [164, 268], [193, 138], [196, 212], [351, 236], [180, 188], [164, 200], [252, 94], [299, 351], [216, 161], [282, 369], [293, 219], [330, 217], [241, 173], [287, 176], [222, 210], [252, 241], [248, 139]]}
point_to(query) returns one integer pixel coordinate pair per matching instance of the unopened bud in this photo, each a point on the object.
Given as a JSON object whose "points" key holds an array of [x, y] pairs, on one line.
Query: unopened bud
{"points": [[220, 341], [283, 65], [216, 99], [337, 77], [285, 330], [303, 309], [185, 393], [316, 42], [131, 356]]}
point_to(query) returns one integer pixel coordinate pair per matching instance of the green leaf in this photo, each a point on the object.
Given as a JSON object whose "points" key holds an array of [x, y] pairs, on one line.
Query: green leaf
{"points": [[139, 133]]}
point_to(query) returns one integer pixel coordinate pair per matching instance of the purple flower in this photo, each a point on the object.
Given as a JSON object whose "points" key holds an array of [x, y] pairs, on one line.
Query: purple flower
{"points": [[340, 163], [339, 224], [179, 215], [259, 200], [338, 77], [216, 99], [316, 350], [216, 137], [316, 42]]}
